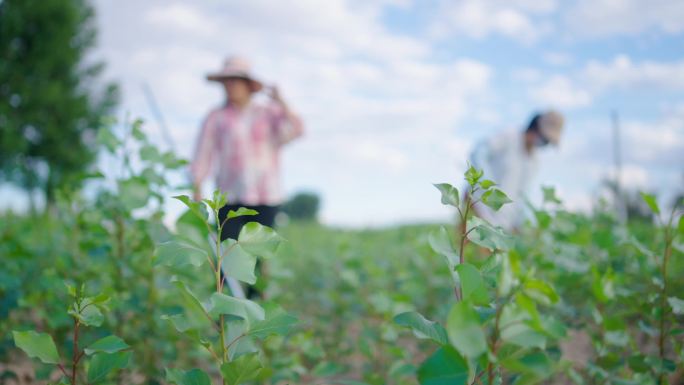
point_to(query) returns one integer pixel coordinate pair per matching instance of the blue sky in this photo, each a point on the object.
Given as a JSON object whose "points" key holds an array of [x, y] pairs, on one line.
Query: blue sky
{"points": [[394, 93]]}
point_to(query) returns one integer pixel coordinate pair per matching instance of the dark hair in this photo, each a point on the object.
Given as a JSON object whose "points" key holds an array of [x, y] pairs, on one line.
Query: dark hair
{"points": [[534, 123]]}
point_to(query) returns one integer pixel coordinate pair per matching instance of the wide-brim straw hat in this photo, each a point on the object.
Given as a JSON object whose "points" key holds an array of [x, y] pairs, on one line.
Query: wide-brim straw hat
{"points": [[236, 67], [551, 126]]}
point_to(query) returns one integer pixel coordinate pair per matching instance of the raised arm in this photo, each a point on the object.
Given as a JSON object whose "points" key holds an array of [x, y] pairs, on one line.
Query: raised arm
{"points": [[287, 125]]}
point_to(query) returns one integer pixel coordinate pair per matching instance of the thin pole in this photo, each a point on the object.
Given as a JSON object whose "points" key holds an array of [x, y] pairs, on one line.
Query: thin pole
{"points": [[158, 115]]}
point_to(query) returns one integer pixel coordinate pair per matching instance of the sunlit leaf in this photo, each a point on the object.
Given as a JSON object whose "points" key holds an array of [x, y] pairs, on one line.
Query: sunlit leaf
{"points": [[38, 345], [259, 240], [103, 363], [109, 344], [464, 330], [473, 286], [650, 200], [106, 138], [197, 208], [422, 327], [134, 193], [244, 368], [194, 312], [276, 323], [677, 305], [242, 211], [175, 253], [238, 263], [190, 377], [236, 307], [450, 194], [488, 236], [495, 199]]}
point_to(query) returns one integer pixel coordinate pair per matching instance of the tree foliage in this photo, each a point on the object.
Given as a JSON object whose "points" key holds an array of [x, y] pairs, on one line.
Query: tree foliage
{"points": [[50, 99], [302, 206]]}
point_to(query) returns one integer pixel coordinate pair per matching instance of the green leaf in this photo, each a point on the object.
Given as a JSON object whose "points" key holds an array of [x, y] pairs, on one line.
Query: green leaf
{"points": [[677, 305], [602, 285], [134, 193], [236, 307], [450, 194], [540, 291], [472, 284], [239, 263], [485, 184], [441, 243], [180, 322], [103, 363], [109, 344], [38, 345], [495, 199], [550, 195], [651, 202], [681, 226], [244, 368], [194, 312], [196, 377], [197, 208], [149, 153], [174, 253], [473, 175], [486, 235], [509, 271], [444, 367], [242, 211], [259, 240], [136, 129], [174, 376], [106, 138], [90, 316], [275, 324], [170, 161], [637, 363], [422, 327], [464, 330], [536, 364], [516, 325]]}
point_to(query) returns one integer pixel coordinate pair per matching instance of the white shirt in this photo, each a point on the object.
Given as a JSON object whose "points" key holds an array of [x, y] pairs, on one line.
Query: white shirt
{"points": [[505, 161]]}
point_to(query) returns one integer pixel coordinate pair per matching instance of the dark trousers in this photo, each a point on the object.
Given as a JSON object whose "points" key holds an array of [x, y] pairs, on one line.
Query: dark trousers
{"points": [[231, 229]]}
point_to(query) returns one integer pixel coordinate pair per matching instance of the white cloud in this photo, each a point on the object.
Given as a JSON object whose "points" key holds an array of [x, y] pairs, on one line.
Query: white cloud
{"points": [[603, 18], [581, 87], [182, 17], [481, 18], [561, 92], [625, 74], [558, 58]]}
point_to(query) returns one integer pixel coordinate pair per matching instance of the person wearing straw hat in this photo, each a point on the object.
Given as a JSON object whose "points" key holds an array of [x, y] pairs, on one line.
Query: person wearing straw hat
{"points": [[240, 142], [509, 159]]}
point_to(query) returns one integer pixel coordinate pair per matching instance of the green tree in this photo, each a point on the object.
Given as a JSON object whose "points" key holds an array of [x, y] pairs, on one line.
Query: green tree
{"points": [[51, 102], [302, 206]]}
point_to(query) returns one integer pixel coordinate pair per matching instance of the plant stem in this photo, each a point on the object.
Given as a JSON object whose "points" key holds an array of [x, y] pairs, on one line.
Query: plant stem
{"points": [[61, 368], [75, 355], [495, 341], [663, 298], [463, 236], [219, 288]]}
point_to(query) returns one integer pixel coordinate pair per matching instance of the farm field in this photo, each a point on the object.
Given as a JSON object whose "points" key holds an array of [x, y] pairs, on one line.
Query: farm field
{"points": [[345, 287], [108, 288]]}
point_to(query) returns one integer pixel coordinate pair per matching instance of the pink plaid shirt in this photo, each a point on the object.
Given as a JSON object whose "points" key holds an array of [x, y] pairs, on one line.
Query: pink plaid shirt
{"points": [[242, 147]]}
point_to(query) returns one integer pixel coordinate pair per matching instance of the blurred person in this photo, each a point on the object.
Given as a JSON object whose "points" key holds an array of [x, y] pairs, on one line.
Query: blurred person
{"points": [[240, 142], [510, 160]]}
